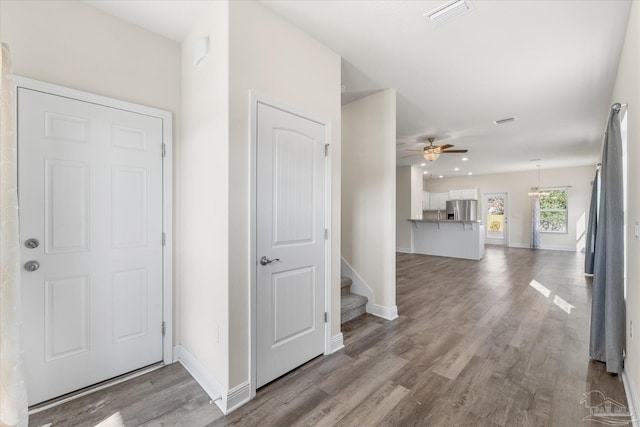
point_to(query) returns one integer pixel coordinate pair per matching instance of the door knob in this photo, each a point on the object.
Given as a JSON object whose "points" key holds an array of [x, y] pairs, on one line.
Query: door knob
{"points": [[31, 265], [264, 260], [32, 243]]}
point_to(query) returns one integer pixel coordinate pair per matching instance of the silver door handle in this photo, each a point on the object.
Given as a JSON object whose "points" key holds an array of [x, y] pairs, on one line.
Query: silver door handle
{"points": [[31, 265], [264, 260], [32, 243]]}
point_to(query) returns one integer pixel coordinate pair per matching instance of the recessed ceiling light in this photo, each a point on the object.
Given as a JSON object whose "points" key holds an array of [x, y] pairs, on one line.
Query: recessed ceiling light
{"points": [[425, 172], [441, 176], [456, 169], [448, 11], [423, 164], [469, 173], [503, 121], [464, 159]]}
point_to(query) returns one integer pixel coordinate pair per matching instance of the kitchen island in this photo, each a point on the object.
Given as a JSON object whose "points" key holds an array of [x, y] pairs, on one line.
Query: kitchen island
{"points": [[450, 238]]}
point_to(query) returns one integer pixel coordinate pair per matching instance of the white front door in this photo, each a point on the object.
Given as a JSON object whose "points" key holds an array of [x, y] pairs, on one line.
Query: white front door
{"points": [[90, 191], [495, 218], [290, 241]]}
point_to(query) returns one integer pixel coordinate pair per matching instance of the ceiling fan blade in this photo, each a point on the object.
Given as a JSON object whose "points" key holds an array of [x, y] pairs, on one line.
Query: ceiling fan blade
{"points": [[445, 146], [410, 155], [453, 151], [421, 151]]}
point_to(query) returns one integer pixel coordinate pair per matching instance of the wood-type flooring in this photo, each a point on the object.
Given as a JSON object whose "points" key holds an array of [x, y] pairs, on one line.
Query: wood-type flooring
{"points": [[477, 343]]}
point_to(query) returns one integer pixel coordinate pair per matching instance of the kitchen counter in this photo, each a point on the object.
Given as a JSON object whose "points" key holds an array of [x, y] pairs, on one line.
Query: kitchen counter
{"points": [[450, 238]]}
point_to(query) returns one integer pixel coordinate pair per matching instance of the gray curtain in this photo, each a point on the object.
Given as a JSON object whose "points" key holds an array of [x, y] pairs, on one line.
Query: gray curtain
{"points": [[535, 221], [592, 226], [607, 307]]}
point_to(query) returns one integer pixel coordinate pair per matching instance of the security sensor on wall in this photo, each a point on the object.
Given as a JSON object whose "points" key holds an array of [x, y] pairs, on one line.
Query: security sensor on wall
{"points": [[201, 50]]}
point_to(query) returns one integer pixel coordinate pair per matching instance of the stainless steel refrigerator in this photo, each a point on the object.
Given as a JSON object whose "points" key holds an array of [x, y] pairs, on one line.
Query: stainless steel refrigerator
{"points": [[462, 210]]}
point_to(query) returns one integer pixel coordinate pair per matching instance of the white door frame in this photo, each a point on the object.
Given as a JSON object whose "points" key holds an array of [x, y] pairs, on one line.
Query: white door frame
{"points": [[255, 99], [167, 182]]}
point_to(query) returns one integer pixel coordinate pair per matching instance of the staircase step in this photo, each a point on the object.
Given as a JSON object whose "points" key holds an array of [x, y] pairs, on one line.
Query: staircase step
{"points": [[352, 306], [345, 285]]}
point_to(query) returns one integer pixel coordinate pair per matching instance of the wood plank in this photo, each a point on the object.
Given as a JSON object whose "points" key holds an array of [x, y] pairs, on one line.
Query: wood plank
{"points": [[474, 345]]}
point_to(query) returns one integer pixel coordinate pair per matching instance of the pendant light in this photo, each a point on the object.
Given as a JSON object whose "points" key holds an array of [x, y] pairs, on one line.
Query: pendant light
{"points": [[535, 191]]}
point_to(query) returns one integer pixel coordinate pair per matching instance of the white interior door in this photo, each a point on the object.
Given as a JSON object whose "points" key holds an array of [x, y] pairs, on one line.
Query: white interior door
{"points": [[495, 218], [290, 239], [90, 188]]}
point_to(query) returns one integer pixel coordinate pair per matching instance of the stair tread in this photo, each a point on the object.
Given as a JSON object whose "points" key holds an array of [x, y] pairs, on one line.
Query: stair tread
{"points": [[351, 301]]}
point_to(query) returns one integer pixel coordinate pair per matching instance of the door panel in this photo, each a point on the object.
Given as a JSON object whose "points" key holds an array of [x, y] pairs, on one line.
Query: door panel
{"points": [[90, 184], [290, 230], [495, 217]]}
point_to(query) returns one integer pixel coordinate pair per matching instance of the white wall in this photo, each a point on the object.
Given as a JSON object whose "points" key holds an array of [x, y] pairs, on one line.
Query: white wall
{"points": [[517, 185], [271, 56], [409, 193], [404, 241], [70, 44], [417, 190], [627, 91], [368, 192], [203, 253]]}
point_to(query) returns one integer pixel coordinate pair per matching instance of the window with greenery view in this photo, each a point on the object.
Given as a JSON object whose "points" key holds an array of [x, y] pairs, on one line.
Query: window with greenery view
{"points": [[553, 211]]}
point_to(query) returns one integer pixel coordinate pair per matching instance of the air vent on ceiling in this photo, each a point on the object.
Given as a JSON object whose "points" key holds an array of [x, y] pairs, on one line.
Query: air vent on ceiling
{"points": [[448, 11], [503, 121]]}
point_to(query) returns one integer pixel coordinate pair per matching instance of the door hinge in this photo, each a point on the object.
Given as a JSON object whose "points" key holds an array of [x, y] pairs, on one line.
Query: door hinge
{"points": [[326, 317], [326, 149], [164, 328], [326, 233], [164, 150], [164, 238]]}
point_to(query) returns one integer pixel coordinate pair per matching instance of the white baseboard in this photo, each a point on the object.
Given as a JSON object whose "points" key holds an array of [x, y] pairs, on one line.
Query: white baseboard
{"points": [[237, 396], [404, 250], [359, 286], [545, 247], [632, 397], [226, 400], [388, 313], [559, 248], [519, 245], [336, 343]]}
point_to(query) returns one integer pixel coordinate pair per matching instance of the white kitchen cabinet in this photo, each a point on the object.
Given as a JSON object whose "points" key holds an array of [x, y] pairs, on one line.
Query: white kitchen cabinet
{"points": [[467, 194], [434, 201], [425, 201], [438, 201], [471, 194], [455, 194], [442, 202]]}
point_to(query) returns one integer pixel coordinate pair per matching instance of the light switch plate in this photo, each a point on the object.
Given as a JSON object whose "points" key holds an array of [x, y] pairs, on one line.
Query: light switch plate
{"points": [[636, 230]]}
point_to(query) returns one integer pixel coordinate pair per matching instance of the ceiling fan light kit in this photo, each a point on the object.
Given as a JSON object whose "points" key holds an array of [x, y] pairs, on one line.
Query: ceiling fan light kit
{"points": [[431, 155]]}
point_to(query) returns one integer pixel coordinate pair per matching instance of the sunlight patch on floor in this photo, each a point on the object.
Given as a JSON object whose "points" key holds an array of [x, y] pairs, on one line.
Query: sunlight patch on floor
{"points": [[114, 420], [564, 305], [540, 288]]}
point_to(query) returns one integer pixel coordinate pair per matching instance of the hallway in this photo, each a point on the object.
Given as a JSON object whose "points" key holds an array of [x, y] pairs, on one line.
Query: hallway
{"points": [[477, 343]]}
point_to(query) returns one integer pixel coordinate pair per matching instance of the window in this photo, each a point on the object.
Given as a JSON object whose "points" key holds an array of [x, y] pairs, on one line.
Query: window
{"points": [[553, 211]]}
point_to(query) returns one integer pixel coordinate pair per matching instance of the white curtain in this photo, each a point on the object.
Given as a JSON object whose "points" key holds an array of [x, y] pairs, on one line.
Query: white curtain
{"points": [[607, 301], [535, 221], [13, 393]]}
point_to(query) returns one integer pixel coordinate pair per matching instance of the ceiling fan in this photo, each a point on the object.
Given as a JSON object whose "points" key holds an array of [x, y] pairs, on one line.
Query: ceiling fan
{"points": [[432, 152]]}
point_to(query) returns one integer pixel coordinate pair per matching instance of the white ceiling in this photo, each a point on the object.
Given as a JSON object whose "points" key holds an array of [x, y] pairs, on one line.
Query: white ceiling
{"points": [[550, 64]]}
